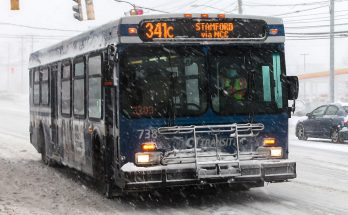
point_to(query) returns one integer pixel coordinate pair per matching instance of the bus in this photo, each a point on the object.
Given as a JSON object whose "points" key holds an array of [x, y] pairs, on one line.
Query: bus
{"points": [[160, 101]]}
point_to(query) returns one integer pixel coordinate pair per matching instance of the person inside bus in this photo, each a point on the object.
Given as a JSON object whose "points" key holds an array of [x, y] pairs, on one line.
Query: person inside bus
{"points": [[233, 84]]}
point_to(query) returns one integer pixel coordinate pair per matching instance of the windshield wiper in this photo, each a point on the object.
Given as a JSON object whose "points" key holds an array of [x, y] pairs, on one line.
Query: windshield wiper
{"points": [[172, 112], [250, 94]]}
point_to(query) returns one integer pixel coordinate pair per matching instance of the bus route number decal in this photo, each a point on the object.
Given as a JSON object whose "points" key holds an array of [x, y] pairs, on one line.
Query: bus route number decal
{"points": [[147, 134], [159, 30]]}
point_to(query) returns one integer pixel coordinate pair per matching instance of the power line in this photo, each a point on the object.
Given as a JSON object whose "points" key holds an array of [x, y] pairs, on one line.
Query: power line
{"points": [[317, 38], [142, 7], [39, 28], [314, 19], [316, 33], [284, 5], [312, 14], [300, 11], [315, 26]]}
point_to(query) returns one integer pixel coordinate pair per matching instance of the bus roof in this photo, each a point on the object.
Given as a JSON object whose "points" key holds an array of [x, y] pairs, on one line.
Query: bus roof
{"points": [[113, 33]]}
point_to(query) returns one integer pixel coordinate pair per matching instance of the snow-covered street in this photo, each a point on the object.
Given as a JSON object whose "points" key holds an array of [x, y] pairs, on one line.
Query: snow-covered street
{"points": [[27, 186]]}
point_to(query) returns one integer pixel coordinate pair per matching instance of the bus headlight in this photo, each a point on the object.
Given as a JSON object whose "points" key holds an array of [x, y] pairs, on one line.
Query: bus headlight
{"points": [[276, 152], [269, 152], [147, 158]]}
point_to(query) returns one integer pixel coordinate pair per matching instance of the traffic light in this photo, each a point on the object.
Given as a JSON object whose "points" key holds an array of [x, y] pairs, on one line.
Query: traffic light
{"points": [[90, 10], [135, 12], [78, 10], [14, 4]]}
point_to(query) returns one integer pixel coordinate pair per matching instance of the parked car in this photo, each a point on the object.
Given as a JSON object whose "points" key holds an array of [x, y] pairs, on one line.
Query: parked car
{"points": [[327, 121]]}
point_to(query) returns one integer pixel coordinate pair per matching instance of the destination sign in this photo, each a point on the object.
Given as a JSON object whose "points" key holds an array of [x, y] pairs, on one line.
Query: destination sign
{"points": [[150, 30]]}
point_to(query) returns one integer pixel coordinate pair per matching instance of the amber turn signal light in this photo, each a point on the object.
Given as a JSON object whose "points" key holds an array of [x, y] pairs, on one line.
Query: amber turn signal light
{"points": [[270, 141], [132, 30], [150, 146]]}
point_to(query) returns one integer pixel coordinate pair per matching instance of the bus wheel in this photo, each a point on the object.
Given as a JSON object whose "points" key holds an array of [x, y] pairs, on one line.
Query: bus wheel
{"points": [[41, 140], [99, 168]]}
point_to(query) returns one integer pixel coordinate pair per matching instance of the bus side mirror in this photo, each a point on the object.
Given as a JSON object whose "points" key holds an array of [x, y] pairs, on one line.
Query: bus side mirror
{"points": [[111, 58], [292, 82]]}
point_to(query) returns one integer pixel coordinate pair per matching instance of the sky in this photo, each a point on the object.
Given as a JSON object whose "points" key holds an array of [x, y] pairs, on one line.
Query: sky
{"points": [[300, 16]]}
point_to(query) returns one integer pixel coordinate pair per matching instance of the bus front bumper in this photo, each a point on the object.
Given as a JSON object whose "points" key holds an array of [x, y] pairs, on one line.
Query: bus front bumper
{"points": [[144, 178]]}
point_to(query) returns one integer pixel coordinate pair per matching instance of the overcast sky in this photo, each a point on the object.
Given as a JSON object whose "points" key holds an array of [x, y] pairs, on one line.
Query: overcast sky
{"points": [[59, 15]]}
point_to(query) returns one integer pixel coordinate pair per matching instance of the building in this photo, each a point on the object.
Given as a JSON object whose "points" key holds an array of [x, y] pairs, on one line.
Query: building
{"points": [[315, 89]]}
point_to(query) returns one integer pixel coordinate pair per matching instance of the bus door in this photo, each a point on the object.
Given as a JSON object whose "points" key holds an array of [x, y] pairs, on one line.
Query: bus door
{"points": [[54, 108], [79, 125]]}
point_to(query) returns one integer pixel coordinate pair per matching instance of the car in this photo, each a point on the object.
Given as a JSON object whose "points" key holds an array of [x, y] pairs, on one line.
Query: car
{"points": [[327, 121]]}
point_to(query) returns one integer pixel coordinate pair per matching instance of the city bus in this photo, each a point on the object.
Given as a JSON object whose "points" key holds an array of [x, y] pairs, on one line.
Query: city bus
{"points": [[160, 101]]}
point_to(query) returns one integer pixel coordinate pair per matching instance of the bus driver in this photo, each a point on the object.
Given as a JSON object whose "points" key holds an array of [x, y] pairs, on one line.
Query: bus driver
{"points": [[233, 84]]}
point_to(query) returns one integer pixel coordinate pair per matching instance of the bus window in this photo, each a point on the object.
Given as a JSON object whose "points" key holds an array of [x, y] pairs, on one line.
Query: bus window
{"points": [[192, 86], [94, 87], [36, 92], [44, 87], [163, 81], [79, 88], [267, 96], [242, 80], [278, 84], [66, 89]]}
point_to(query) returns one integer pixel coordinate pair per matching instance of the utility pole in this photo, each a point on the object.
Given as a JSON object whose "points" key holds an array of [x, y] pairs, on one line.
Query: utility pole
{"points": [[22, 64], [240, 7], [8, 67], [332, 51], [304, 72]]}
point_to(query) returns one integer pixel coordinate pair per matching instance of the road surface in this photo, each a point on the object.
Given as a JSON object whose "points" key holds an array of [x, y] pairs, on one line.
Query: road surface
{"points": [[29, 187]]}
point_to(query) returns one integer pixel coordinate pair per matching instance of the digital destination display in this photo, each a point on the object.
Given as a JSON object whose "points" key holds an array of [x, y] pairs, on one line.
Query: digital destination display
{"points": [[151, 30]]}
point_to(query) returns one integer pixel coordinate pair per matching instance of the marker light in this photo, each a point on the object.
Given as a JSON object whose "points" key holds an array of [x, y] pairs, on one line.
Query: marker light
{"points": [[270, 141], [132, 30], [204, 16], [221, 16], [188, 15], [150, 146], [276, 152], [273, 31]]}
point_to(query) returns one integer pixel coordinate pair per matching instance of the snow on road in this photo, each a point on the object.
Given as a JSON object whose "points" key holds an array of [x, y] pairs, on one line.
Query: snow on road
{"points": [[29, 187]]}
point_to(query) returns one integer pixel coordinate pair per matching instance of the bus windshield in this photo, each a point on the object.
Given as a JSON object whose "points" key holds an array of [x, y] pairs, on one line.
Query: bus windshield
{"points": [[246, 79], [162, 81]]}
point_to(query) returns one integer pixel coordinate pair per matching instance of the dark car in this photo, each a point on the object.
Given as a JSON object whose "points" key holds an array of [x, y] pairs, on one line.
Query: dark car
{"points": [[327, 121]]}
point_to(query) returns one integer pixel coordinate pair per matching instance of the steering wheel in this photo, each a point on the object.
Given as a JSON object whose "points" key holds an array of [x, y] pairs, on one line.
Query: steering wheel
{"points": [[235, 92]]}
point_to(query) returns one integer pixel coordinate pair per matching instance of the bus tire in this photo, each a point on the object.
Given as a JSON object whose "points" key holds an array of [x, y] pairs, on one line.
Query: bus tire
{"points": [[42, 144], [99, 167]]}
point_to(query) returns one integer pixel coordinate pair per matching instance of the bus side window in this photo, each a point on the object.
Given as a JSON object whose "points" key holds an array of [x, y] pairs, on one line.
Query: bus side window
{"points": [[66, 89], [267, 96], [94, 87], [278, 84], [79, 88], [44, 87], [36, 90]]}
